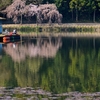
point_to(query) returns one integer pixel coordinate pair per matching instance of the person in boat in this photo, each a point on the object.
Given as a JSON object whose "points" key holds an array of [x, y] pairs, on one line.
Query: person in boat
{"points": [[6, 31], [14, 31]]}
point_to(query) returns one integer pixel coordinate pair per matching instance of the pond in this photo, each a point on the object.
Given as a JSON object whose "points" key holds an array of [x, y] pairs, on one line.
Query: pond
{"points": [[50, 68]]}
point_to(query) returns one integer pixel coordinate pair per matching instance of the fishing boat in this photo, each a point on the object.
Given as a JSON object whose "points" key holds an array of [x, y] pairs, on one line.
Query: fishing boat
{"points": [[9, 38]]}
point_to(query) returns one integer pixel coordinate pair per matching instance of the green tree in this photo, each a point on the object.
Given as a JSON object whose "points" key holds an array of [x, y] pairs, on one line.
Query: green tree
{"points": [[94, 5], [63, 7], [76, 5], [4, 3]]}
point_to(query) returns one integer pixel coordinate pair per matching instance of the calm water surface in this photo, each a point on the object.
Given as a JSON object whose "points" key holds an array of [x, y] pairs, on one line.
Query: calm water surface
{"points": [[53, 65]]}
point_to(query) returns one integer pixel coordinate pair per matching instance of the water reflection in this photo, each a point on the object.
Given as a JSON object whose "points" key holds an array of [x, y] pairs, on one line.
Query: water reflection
{"points": [[43, 48], [57, 65]]}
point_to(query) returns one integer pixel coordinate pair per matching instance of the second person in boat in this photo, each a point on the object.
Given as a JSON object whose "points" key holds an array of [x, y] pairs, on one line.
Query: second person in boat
{"points": [[14, 31]]}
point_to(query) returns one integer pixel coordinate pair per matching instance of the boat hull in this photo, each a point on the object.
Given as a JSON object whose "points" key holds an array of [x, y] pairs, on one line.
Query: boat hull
{"points": [[9, 38]]}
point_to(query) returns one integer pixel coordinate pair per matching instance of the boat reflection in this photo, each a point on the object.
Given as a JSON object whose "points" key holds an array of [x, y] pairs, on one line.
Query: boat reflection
{"points": [[46, 48]]}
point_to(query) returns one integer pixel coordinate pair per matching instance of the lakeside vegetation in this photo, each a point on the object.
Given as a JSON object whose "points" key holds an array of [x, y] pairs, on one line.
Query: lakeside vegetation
{"points": [[55, 28], [46, 14], [72, 10]]}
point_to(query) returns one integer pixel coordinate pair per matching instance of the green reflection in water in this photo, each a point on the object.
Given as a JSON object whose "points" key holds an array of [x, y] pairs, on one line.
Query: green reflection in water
{"points": [[7, 75], [74, 66], [26, 72]]}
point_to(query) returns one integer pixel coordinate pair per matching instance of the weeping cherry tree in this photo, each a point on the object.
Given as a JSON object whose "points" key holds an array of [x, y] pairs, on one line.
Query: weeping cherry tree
{"points": [[43, 12], [15, 10]]}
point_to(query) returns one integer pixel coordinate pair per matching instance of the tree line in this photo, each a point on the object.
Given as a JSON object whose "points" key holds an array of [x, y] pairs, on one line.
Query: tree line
{"points": [[72, 10]]}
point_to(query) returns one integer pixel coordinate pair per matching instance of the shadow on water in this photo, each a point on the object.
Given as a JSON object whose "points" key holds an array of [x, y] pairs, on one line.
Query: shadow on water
{"points": [[51, 67]]}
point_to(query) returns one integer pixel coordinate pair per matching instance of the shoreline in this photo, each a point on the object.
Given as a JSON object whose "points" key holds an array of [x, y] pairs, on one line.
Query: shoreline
{"points": [[68, 35], [54, 24], [34, 94], [66, 29]]}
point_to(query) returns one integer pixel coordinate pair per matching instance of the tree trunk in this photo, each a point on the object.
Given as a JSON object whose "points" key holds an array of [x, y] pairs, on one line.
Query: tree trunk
{"points": [[94, 15], [76, 15], [72, 15], [21, 19]]}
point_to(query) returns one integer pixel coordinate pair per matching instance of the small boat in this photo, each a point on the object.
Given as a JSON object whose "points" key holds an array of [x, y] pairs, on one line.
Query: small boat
{"points": [[8, 38]]}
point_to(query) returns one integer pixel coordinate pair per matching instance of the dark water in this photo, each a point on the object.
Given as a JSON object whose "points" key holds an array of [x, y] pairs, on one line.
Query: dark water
{"points": [[55, 65]]}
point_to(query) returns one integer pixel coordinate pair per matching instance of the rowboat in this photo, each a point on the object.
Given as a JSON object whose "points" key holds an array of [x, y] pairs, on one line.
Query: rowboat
{"points": [[9, 38]]}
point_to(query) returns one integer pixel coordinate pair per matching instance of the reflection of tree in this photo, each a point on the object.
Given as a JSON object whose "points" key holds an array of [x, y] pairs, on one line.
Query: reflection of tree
{"points": [[53, 79], [83, 70], [19, 74], [80, 73], [69, 70], [26, 72], [43, 48], [7, 77], [29, 55]]}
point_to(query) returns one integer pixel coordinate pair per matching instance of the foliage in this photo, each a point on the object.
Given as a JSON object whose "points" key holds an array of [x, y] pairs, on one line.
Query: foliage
{"points": [[72, 10], [4, 4], [43, 12], [15, 10]]}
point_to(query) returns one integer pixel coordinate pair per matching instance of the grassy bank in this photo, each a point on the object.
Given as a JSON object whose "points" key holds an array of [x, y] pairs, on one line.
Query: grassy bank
{"points": [[79, 28]]}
